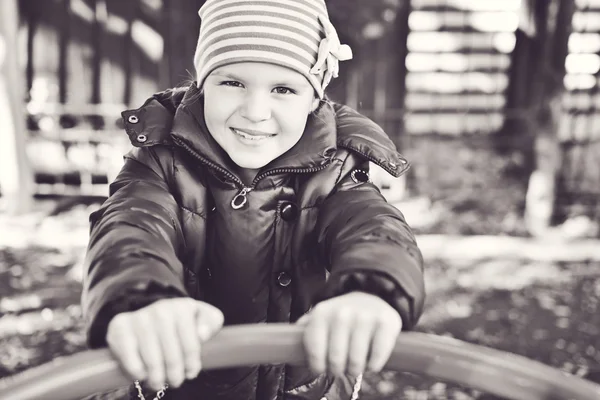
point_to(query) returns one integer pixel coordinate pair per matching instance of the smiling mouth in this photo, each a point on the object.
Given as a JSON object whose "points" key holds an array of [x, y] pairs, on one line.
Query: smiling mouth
{"points": [[250, 134]]}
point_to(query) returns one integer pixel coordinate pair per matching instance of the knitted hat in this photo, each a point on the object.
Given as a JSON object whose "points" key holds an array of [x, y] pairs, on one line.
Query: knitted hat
{"points": [[296, 34]]}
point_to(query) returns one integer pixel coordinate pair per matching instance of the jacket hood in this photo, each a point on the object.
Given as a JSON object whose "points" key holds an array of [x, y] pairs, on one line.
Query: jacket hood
{"points": [[178, 114]]}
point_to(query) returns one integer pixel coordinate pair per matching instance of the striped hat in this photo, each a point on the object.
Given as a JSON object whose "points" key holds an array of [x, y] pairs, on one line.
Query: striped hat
{"points": [[296, 34]]}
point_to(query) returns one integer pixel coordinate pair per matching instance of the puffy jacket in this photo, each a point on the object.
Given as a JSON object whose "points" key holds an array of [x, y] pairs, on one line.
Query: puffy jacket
{"points": [[312, 227]]}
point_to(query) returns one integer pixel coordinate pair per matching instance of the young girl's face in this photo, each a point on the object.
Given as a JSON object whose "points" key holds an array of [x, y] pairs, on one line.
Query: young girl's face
{"points": [[257, 111]]}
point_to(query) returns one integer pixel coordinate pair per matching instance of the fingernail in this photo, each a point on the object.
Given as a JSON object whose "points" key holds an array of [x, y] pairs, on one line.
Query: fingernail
{"points": [[373, 368], [192, 373], [139, 375], [176, 382]]}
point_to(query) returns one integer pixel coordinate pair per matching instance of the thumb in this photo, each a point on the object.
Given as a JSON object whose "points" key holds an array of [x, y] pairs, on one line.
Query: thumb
{"points": [[303, 320], [209, 320]]}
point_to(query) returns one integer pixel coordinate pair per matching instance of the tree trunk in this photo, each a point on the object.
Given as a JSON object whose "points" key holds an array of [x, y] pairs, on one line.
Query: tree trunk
{"points": [[546, 100], [181, 25], [16, 179]]}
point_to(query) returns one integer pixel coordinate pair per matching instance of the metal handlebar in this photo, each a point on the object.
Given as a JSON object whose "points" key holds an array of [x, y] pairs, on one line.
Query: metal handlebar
{"points": [[492, 371]]}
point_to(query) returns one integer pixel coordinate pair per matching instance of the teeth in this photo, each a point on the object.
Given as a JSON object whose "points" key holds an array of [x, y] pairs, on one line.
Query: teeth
{"points": [[249, 137]]}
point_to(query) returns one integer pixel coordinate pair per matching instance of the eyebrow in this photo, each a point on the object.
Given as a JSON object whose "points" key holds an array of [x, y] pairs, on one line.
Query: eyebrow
{"points": [[227, 75], [293, 81]]}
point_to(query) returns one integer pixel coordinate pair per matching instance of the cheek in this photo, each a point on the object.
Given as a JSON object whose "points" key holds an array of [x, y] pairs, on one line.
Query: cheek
{"points": [[294, 117], [216, 112], [294, 126]]}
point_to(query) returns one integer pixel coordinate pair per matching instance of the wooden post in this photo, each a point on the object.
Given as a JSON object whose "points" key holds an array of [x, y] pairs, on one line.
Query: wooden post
{"points": [[16, 179], [401, 138], [398, 69], [130, 11], [181, 26], [99, 7], [554, 18], [63, 51]]}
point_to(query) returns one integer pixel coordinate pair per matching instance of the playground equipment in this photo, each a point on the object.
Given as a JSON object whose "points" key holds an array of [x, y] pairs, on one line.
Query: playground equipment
{"points": [[495, 372]]}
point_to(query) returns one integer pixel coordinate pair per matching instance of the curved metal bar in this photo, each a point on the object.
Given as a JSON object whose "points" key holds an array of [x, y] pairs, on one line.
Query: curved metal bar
{"points": [[491, 371]]}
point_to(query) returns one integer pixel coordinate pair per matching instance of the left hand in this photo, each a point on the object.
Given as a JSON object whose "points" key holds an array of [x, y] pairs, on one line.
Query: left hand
{"points": [[350, 333]]}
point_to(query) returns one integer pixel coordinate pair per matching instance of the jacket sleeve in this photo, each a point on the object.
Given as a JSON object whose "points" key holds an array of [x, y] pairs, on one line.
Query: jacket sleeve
{"points": [[371, 248], [135, 238]]}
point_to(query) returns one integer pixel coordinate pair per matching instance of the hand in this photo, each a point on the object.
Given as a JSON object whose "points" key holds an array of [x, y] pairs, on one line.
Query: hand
{"points": [[162, 341], [348, 333]]}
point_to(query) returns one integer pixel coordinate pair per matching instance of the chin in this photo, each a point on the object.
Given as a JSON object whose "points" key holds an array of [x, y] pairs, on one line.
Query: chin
{"points": [[251, 163]]}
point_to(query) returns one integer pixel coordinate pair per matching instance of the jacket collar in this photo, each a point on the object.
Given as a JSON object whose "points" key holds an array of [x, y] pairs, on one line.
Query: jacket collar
{"points": [[179, 114], [359, 134]]}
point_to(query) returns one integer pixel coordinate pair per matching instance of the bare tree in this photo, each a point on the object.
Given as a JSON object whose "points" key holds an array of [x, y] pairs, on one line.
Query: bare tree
{"points": [[16, 179], [537, 89]]}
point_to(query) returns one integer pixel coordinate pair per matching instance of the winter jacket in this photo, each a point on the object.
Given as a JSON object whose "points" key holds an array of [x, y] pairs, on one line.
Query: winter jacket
{"points": [[312, 227]]}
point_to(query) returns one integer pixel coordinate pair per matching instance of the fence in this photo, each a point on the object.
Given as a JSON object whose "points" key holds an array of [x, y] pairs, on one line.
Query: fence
{"points": [[580, 125], [86, 61], [441, 67]]}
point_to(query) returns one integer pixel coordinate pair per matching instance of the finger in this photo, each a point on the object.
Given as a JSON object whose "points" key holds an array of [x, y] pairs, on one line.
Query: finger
{"points": [[171, 347], [123, 344], [315, 339], [209, 320], [340, 331], [303, 320], [150, 350], [190, 347], [384, 340], [360, 343]]}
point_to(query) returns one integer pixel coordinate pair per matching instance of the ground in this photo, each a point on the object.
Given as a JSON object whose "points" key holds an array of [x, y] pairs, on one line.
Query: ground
{"points": [[542, 309]]}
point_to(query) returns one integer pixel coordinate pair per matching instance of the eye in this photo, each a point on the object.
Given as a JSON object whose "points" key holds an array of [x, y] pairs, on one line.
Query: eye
{"points": [[284, 90], [231, 83]]}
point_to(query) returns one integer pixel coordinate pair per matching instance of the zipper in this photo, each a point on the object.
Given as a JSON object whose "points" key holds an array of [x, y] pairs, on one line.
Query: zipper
{"points": [[206, 162], [289, 171], [241, 198]]}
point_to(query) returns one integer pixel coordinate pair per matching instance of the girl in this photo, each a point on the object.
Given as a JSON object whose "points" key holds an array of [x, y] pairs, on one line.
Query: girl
{"points": [[247, 199]]}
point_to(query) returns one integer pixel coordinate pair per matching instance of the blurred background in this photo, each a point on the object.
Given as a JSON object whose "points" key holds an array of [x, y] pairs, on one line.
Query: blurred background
{"points": [[494, 102]]}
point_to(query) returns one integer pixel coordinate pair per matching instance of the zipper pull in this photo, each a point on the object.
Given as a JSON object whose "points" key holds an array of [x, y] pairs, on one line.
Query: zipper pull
{"points": [[241, 198]]}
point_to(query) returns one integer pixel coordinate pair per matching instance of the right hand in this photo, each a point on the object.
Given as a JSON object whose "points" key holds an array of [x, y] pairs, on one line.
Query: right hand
{"points": [[161, 342]]}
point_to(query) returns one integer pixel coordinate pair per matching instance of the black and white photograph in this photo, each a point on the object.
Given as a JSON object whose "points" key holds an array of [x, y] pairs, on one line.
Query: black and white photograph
{"points": [[300, 199]]}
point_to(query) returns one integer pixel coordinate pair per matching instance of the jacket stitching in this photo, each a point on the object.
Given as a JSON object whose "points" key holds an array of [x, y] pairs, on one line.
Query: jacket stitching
{"points": [[200, 214], [165, 177], [147, 167], [142, 164], [339, 177], [175, 223], [162, 169], [174, 219]]}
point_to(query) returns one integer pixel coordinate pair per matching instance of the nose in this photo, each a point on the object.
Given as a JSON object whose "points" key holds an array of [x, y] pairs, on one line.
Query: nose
{"points": [[256, 107]]}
